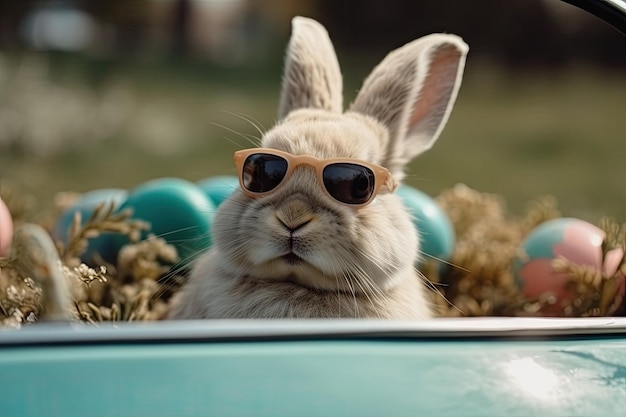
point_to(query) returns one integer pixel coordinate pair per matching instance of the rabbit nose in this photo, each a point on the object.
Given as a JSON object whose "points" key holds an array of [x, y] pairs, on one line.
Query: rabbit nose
{"points": [[294, 216], [294, 225]]}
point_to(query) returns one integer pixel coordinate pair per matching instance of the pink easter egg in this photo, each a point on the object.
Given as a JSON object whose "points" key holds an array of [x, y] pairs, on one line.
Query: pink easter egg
{"points": [[539, 278], [6, 229], [576, 240], [581, 244]]}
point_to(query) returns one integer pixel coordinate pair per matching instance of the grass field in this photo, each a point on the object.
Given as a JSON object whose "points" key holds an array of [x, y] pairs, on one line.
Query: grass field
{"points": [[117, 125]]}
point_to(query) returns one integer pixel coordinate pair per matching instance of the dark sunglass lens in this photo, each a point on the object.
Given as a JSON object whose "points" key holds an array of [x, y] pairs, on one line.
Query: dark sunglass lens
{"points": [[349, 183], [263, 172]]}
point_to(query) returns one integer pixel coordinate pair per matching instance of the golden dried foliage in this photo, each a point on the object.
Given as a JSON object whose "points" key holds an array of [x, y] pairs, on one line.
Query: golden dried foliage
{"points": [[479, 280], [137, 287]]}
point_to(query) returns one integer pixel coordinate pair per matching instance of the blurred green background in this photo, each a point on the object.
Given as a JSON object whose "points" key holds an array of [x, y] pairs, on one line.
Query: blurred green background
{"points": [[101, 94]]}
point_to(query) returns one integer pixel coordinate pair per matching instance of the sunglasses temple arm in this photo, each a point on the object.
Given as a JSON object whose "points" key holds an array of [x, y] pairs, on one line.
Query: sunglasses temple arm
{"points": [[391, 184]]}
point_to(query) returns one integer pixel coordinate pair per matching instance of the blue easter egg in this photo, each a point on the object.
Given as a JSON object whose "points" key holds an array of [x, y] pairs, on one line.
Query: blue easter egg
{"points": [[435, 229], [219, 188], [177, 210], [102, 245]]}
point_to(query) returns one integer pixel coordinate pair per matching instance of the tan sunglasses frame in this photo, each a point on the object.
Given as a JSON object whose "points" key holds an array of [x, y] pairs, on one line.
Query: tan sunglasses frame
{"points": [[383, 180]]}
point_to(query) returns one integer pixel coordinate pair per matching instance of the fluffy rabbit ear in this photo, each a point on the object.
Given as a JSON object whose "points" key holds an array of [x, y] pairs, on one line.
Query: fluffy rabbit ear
{"points": [[312, 78], [412, 92]]}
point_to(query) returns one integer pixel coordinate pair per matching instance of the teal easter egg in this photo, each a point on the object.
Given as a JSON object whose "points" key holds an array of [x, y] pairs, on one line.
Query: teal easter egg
{"points": [[6, 229], [219, 188], [102, 245], [575, 240], [435, 229], [177, 211]]}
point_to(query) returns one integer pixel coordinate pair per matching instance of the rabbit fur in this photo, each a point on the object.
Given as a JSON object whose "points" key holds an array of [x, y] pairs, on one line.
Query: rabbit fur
{"points": [[354, 263]]}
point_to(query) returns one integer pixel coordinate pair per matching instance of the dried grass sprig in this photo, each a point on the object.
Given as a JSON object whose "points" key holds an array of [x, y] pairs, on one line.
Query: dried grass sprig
{"points": [[88, 275], [134, 293], [148, 259], [479, 281], [129, 302], [539, 211], [103, 219]]}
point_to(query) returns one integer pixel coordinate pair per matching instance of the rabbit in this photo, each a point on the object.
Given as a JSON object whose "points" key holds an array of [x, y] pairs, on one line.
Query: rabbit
{"points": [[297, 252]]}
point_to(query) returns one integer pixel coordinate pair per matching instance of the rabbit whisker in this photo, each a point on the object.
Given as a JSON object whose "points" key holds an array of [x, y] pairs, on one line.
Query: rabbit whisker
{"points": [[360, 278], [432, 287], [253, 122], [248, 138], [346, 276], [427, 255]]}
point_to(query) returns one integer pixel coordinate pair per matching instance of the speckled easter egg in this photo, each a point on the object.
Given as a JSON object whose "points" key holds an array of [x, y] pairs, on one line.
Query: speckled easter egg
{"points": [[219, 188], [85, 205], [435, 229], [177, 210], [6, 229], [573, 239]]}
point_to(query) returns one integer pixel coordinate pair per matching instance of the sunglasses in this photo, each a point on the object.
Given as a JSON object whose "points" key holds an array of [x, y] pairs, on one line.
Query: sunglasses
{"points": [[349, 181]]}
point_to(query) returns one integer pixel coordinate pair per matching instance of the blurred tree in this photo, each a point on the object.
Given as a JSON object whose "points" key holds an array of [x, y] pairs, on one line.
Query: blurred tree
{"points": [[11, 15], [519, 33], [180, 27], [128, 21]]}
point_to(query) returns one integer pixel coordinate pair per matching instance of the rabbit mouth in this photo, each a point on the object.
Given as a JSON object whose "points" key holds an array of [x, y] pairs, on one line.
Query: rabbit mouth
{"points": [[292, 259]]}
